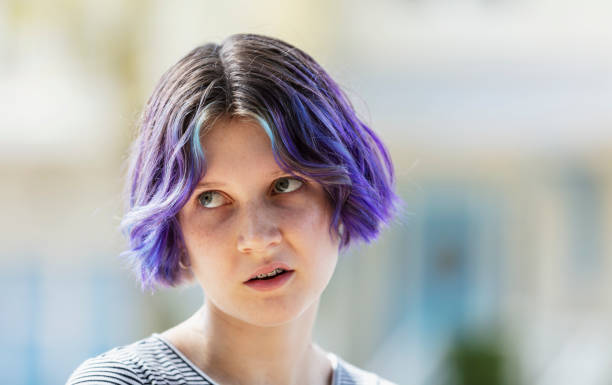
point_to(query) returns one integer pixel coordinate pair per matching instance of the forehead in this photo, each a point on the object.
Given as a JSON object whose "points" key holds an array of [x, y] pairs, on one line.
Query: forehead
{"points": [[237, 143]]}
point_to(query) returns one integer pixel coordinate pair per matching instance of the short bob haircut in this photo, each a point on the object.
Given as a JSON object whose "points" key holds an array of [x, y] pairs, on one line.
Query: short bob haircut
{"points": [[313, 129]]}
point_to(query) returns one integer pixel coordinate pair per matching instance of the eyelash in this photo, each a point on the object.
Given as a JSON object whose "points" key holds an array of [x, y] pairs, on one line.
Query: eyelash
{"points": [[198, 197]]}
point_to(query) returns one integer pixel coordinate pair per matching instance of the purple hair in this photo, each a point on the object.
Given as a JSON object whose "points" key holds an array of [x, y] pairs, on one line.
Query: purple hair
{"points": [[311, 123]]}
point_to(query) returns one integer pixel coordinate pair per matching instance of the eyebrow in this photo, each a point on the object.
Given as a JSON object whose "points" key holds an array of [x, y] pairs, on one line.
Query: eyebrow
{"points": [[214, 183]]}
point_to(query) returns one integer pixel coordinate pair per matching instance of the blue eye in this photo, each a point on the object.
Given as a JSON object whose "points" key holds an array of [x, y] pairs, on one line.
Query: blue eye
{"points": [[285, 185], [207, 199]]}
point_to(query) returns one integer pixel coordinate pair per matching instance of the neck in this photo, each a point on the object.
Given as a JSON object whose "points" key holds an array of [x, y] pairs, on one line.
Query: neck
{"points": [[233, 351]]}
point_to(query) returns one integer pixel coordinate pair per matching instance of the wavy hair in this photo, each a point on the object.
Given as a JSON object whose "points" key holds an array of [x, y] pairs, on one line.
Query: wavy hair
{"points": [[312, 126]]}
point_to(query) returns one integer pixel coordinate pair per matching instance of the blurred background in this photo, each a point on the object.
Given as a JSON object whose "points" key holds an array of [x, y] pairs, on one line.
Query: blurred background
{"points": [[497, 115]]}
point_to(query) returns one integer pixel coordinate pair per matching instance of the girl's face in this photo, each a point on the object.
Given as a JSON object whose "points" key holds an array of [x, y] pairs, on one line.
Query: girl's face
{"points": [[245, 216]]}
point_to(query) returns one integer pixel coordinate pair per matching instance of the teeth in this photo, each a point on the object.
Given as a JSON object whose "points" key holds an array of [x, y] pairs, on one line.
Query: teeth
{"points": [[270, 274]]}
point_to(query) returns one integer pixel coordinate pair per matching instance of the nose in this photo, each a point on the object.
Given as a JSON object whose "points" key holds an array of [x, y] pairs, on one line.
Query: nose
{"points": [[258, 230]]}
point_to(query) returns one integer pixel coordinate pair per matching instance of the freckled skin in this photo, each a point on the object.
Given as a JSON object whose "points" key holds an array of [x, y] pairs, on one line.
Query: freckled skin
{"points": [[255, 225]]}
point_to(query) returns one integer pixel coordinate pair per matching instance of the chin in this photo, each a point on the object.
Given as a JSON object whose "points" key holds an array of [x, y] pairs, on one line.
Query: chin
{"points": [[273, 311], [277, 319], [278, 314]]}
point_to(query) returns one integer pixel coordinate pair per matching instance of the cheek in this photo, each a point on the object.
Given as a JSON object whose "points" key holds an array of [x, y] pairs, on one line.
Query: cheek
{"points": [[304, 222], [307, 229], [307, 220], [206, 246]]}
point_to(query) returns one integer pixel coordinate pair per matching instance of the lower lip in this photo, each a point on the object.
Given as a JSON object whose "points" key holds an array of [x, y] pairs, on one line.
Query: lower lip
{"points": [[270, 284]]}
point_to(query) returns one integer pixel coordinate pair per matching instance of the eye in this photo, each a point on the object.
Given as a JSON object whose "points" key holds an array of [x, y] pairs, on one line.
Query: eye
{"points": [[285, 185], [210, 199]]}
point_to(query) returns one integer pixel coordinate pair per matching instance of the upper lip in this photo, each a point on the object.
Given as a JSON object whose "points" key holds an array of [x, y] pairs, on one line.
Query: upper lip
{"points": [[268, 268]]}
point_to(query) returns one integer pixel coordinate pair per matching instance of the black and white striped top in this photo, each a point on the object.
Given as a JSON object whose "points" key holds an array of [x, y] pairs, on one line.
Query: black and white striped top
{"points": [[154, 360]]}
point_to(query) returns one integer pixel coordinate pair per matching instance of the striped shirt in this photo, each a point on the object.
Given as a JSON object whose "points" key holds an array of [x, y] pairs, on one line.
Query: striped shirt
{"points": [[154, 360]]}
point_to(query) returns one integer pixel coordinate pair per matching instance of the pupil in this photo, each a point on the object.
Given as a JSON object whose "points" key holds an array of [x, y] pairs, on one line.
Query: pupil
{"points": [[205, 199], [283, 184]]}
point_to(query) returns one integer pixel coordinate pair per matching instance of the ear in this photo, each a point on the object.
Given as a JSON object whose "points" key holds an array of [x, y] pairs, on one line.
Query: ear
{"points": [[184, 261]]}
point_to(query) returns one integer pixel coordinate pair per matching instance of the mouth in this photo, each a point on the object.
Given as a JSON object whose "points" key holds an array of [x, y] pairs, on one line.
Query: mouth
{"points": [[269, 271], [270, 277]]}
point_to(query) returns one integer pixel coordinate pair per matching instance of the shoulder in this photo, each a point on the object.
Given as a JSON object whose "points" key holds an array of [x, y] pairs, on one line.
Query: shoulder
{"points": [[348, 374], [107, 370], [143, 362]]}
